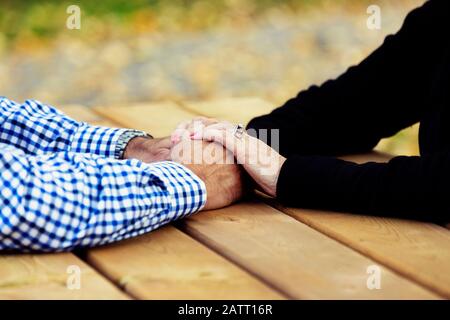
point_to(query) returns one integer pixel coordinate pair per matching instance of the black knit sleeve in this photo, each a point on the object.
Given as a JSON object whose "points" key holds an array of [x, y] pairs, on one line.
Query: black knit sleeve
{"points": [[406, 187]]}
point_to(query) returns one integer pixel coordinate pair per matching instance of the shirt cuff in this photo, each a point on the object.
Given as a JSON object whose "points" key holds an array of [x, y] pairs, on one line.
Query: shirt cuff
{"points": [[95, 140], [187, 190]]}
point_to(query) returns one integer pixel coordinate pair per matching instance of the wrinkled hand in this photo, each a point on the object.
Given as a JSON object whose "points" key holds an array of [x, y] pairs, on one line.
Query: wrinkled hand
{"points": [[261, 162], [216, 167], [148, 150]]}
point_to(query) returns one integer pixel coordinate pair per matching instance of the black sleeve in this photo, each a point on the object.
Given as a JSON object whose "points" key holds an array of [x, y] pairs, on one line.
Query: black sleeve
{"points": [[406, 187], [374, 100]]}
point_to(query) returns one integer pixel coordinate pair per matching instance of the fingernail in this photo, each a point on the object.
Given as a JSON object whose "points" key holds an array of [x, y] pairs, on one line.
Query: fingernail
{"points": [[196, 136]]}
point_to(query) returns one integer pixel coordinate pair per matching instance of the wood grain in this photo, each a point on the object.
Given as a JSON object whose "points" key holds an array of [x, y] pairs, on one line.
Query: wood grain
{"points": [[159, 119], [235, 110], [295, 259], [33, 276], [85, 114], [167, 264], [417, 250]]}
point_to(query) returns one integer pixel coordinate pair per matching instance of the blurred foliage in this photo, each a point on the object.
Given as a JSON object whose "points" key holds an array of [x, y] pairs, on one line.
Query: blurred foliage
{"points": [[44, 18], [152, 50]]}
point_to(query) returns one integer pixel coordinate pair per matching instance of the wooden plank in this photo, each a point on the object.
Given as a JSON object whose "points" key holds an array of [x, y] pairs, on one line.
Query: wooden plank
{"points": [[34, 276], [241, 234], [417, 250], [236, 110], [82, 113], [44, 276], [294, 258], [159, 119], [168, 264]]}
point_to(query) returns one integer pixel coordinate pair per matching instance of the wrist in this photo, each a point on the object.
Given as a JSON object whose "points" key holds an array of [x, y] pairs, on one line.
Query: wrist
{"points": [[277, 177], [135, 146], [148, 149], [127, 143]]}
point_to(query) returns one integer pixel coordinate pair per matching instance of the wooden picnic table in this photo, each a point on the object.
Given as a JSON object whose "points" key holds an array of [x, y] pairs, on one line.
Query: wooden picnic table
{"points": [[256, 249]]}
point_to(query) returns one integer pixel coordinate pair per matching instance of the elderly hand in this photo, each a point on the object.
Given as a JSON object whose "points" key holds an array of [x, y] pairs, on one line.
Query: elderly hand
{"points": [[260, 161], [148, 150], [216, 167]]}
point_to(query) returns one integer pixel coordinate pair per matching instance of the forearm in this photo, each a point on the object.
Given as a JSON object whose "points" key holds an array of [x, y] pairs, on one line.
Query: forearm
{"points": [[406, 187], [66, 201], [36, 128]]}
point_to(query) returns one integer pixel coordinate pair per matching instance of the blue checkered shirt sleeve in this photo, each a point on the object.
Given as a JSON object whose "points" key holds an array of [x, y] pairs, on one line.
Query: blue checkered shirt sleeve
{"points": [[64, 201], [37, 128]]}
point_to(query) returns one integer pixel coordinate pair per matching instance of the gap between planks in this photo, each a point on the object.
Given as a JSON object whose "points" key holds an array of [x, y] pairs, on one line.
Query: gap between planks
{"points": [[45, 276]]}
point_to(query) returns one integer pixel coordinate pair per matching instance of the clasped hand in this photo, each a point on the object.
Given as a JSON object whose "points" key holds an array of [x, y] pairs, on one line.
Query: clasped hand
{"points": [[261, 162], [216, 155], [211, 162]]}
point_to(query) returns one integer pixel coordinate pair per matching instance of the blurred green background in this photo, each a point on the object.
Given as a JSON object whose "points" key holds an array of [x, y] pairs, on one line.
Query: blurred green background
{"points": [[153, 50]]}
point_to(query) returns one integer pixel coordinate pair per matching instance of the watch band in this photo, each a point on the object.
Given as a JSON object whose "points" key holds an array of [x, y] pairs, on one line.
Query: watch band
{"points": [[125, 138]]}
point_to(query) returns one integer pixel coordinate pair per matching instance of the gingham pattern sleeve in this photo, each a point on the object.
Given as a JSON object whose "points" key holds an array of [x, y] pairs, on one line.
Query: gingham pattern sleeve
{"points": [[37, 128], [64, 201]]}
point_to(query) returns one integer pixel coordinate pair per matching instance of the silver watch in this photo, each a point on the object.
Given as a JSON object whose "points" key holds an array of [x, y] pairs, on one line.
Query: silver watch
{"points": [[125, 138]]}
